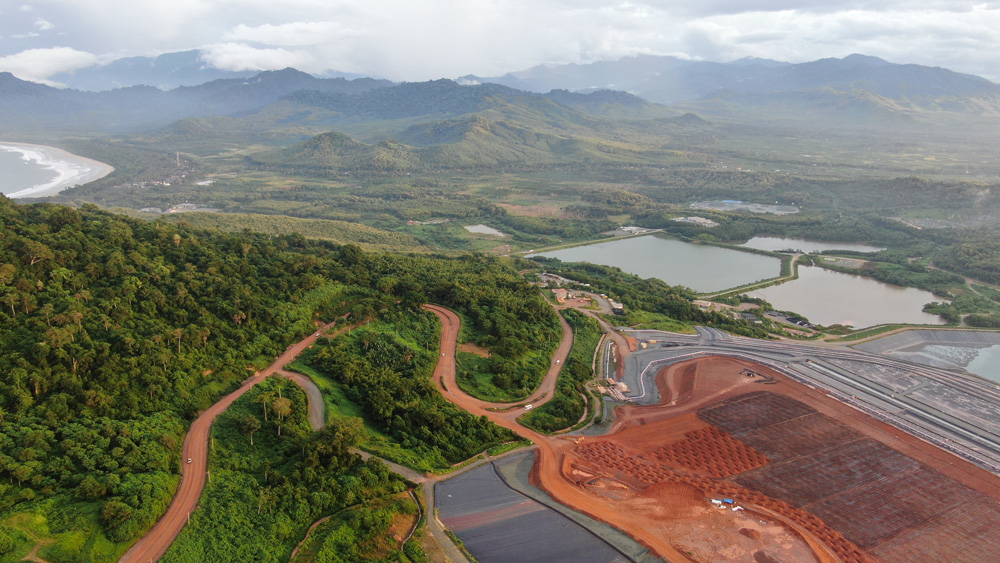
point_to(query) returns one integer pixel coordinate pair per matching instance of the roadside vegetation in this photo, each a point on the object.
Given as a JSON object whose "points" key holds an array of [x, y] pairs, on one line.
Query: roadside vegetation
{"points": [[370, 532], [570, 401], [272, 476], [384, 368]]}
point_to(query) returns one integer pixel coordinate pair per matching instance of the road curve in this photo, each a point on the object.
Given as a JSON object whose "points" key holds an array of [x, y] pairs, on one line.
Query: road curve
{"points": [[445, 374], [317, 410], [155, 543], [317, 419]]}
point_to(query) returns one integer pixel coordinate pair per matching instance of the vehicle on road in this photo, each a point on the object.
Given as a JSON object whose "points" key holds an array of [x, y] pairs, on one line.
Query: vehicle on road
{"points": [[189, 460]]}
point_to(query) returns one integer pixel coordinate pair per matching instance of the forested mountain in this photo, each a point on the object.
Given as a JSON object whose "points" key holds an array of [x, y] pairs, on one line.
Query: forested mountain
{"points": [[142, 108], [165, 72], [669, 79]]}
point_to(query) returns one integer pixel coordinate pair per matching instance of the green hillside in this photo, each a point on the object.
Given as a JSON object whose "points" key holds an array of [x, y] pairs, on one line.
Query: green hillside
{"points": [[340, 232]]}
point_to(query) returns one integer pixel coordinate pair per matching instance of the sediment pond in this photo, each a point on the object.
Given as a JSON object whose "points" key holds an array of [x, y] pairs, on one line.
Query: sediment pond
{"points": [[774, 244], [701, 267], [826, 297]]}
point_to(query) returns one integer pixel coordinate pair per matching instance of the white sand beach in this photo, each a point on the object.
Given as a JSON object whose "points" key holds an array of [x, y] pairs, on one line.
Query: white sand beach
{"points": [[71, 170]]}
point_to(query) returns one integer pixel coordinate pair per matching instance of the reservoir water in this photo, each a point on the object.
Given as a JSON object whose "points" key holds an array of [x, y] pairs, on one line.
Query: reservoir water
{"points": [[780, 243], [18, 174], [701, 267], [828, 298]]}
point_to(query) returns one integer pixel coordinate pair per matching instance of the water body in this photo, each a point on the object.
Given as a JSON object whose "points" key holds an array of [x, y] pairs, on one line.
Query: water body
{"points": [[484, 230], [826, 297], [779, 243], [40, 171], [18, 173], [987, 363], [701, 267]]}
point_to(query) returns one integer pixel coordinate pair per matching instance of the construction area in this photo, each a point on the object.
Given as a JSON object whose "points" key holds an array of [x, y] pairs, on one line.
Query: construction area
{"points": [[738, 462]]}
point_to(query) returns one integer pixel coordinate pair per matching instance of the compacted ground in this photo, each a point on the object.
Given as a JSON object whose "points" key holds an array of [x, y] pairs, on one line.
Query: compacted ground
{"points": [[817, 479]]}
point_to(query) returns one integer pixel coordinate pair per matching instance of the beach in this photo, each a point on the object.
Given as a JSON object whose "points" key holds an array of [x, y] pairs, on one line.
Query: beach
{"points": [[70, 169]]}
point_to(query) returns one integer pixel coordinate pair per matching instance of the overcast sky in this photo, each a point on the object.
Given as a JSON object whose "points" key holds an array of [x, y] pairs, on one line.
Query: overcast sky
{"points": [[427, 39]]}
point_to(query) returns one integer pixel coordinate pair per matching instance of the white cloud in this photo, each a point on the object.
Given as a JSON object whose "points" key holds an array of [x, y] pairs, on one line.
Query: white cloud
{"points": [[36, 65], [43, 24], [446, 38], [238, 56], [295, 34], [26, 8]]}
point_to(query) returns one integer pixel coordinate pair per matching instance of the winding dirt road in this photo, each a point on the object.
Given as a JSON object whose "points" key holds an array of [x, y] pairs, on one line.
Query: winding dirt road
{"points": [[154, 544], [445, 373]]}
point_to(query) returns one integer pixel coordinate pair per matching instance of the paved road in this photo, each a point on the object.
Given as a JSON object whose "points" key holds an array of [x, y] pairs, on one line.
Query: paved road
{"points": [[154, 544], [317, 419], [317, 410]]}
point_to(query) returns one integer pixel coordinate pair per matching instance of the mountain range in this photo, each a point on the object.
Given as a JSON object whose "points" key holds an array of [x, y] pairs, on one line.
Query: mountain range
{"points": [[544, 116], [164, 72], [669, 79]]}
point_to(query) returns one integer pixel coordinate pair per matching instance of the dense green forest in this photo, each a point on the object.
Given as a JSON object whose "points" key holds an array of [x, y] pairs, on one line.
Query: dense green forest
{"points": [[117, 332], [386, 368], [268, 487]]}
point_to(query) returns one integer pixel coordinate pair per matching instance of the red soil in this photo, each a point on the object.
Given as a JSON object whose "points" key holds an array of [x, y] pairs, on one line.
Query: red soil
{"points": [[710, 452], [653, 476]]}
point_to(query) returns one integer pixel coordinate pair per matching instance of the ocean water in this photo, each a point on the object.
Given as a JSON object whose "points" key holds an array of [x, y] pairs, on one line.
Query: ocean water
{"points": [[15, 175]]}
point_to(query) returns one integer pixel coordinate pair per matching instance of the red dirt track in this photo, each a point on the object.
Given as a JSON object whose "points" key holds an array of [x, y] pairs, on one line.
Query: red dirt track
{"points": [[155, 543]]}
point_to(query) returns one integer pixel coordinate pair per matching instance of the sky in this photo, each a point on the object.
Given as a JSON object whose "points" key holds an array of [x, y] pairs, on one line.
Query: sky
{"points": [[415, 40]]}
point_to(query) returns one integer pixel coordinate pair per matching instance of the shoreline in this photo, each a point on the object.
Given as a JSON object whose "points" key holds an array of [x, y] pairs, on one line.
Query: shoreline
{"points": [[71, 169]]}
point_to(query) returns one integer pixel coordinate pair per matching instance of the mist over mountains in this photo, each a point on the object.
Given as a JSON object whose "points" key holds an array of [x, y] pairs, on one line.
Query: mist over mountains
{"points": [[165, 72], [669, 79], [622, 111]]}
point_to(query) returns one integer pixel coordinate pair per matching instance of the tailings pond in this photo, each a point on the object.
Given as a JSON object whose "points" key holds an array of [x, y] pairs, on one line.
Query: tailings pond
{"points": [[701, 267], [828, 298]]}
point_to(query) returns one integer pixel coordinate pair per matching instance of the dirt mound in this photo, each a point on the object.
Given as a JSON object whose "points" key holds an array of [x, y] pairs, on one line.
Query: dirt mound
{"points": [[680, 500], [610, 488]]}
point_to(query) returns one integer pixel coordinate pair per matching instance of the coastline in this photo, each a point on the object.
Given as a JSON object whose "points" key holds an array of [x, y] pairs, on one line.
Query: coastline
{"points": [[71, 169]]}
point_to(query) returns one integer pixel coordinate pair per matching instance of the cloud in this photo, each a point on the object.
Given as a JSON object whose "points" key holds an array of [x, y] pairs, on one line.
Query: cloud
{"points": [[43, 24], [295, 34], [238, 57], [446, 38], [36, 65], [26, 8]]}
